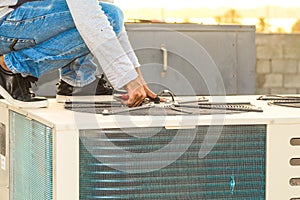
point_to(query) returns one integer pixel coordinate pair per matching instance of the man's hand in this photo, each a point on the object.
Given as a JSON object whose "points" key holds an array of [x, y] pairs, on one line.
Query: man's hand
{"points": [[149, 93], [136, 92]]}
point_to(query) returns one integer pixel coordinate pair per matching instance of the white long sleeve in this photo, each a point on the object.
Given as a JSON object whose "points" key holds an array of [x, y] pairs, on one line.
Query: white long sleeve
{"points": [[124, 41], [94, 28], [4, 6]]}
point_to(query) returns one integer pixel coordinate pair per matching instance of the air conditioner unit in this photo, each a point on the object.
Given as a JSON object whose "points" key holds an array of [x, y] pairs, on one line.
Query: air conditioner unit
{"points": [[54, 153]]}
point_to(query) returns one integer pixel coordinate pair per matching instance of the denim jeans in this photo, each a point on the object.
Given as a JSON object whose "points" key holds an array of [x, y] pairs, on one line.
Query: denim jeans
{"points": [[40, 36]]}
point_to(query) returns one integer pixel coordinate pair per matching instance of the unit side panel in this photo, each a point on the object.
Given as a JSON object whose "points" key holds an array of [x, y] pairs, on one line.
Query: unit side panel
{"points": [[281, 171], [4, 154], [66, 165], [31, 158]]}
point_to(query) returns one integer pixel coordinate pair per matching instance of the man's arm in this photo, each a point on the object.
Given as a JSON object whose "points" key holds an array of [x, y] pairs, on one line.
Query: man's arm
{"points": [[94, 27], [98, 35]]}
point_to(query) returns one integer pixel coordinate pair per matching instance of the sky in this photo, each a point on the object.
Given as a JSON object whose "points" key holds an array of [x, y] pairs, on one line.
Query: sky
{"points": [[176, 4], [283, 23]]}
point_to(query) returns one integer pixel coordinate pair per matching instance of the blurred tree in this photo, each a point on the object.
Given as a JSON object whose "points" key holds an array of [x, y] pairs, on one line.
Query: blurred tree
{"points": [[280, 30], [263, 26], [296, 27], [218, 19], [230, 17]]}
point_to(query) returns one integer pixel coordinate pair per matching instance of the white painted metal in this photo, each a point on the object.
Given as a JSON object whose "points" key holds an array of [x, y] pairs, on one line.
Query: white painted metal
{"points": [[283, 124], [4, 159]]}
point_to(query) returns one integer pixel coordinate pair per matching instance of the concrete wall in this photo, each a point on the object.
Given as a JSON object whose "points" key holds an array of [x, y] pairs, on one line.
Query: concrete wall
{"points": [[277, 63]]}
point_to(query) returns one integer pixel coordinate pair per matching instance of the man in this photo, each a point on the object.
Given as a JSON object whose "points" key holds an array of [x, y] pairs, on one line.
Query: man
{"points": [[37, 37]]}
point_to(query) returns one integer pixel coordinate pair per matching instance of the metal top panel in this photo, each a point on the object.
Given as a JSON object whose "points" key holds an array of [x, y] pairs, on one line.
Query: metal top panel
{"points": [[61, 119], [191, 27]]}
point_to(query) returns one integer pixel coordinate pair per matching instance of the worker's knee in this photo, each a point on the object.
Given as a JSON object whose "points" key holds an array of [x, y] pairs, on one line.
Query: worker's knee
{"points": [[115, 16]]}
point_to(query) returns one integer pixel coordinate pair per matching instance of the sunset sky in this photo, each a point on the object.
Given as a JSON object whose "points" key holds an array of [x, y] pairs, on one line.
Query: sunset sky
{"points": [[176, 4], [281, 14]]}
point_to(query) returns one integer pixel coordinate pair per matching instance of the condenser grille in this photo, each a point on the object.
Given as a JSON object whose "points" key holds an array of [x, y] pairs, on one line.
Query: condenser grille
{"points": [[220, 163], [31, 159]]}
